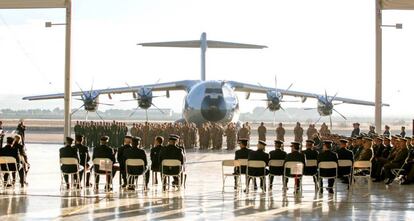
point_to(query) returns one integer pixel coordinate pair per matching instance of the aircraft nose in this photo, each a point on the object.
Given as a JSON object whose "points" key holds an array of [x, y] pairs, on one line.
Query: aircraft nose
{"points": [[213, 108]]}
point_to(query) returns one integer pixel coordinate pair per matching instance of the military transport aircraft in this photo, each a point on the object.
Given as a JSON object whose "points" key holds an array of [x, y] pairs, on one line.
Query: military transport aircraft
{"points": [[207, 100]]}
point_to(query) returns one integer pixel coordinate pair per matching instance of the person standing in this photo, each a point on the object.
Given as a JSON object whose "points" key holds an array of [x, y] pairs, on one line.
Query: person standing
{"points": [[20, 130], [402, 134], [280, 133], [1, 134], [261, 130], [298, 131], [356, 131], [387, 131]]}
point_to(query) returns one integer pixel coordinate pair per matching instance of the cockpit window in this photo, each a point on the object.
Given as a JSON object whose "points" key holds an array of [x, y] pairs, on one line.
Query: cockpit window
{"points": [[214, 91]]}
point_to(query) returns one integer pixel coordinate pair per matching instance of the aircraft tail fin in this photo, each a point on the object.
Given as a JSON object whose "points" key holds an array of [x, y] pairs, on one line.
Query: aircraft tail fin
{"points": [[198, 43], [203, 44]]}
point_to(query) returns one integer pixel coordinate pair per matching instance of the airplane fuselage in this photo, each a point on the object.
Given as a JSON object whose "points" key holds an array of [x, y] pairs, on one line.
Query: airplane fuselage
{"points": [[211, 101]]}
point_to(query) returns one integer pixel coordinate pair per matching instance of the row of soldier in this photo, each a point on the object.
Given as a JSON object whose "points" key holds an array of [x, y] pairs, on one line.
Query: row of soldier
{"points": [[131, 149], [385, 153]]}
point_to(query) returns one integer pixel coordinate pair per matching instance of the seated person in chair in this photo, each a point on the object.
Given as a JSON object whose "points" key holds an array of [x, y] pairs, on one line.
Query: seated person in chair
{"points": [[344, 154], [10, 151], [259, 155], [135, 152], [327, 156], [69, 151], [277, 154], [171, 152], [398, 161], [295, 156], [243, 153], [84, 157], [103, 151], [155, 156]]}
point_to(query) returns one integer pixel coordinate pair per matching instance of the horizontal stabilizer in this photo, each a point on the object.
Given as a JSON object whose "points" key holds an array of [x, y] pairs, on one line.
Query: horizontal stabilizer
{"points": [[197, 44]]}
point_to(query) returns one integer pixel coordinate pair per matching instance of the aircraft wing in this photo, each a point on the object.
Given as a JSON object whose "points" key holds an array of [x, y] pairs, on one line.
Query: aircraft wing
{"points": [[251, 88], [168, 86]]}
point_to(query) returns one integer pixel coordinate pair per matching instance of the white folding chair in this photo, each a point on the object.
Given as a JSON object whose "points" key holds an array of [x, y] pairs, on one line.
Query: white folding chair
{"points": [[346, 164], [72, 176], [130, 164], [171, 164], [327, 165], [295, 172], [275, 164], [397, 171], [5, 162], [255, 164], [312, 164], [362, 171], [105, 166], [243, 163], [235, 166]]}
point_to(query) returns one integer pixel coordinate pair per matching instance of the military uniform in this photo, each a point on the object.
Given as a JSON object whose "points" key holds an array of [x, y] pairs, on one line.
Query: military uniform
{"points": [[103, 151], [327, 156], [261, 130], [344, 154], [136, 153], [280, 133], [277, 154], [258, 155], [121, 161], [310, 154], [70, 152]]}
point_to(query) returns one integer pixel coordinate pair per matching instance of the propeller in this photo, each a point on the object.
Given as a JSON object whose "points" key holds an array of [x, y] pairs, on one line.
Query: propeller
{"points": [[89, 98]]}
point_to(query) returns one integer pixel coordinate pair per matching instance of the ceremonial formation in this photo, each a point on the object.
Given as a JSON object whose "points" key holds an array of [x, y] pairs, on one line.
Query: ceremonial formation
{"points": [[156, 151]]}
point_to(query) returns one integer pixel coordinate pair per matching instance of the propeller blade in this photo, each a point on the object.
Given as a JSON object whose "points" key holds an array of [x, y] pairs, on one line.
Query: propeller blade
{"points": [[326, 95], [275, 82], [158, 108], [267, 108], [78, 99], [128, 100], [259, 99], [330, 121], [105, 104], [146, 114], [309, 108], [333, 98], [133, 112], [77, 109], [289, 87], [337, 104], [90, 92], [97, 113], [247, 95], [318, 119], [340, 114], [83, 93], [86, 116], [289, 101], [283, 109]]}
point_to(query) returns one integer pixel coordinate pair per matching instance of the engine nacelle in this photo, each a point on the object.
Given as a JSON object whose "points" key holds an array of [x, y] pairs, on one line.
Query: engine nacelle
{"points": [[324, 107], [91, 101], [144, 97], [273, 100]]}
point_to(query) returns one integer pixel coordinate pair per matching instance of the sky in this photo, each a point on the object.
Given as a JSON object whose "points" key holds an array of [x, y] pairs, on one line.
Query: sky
{"points": [[316, 45]]}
